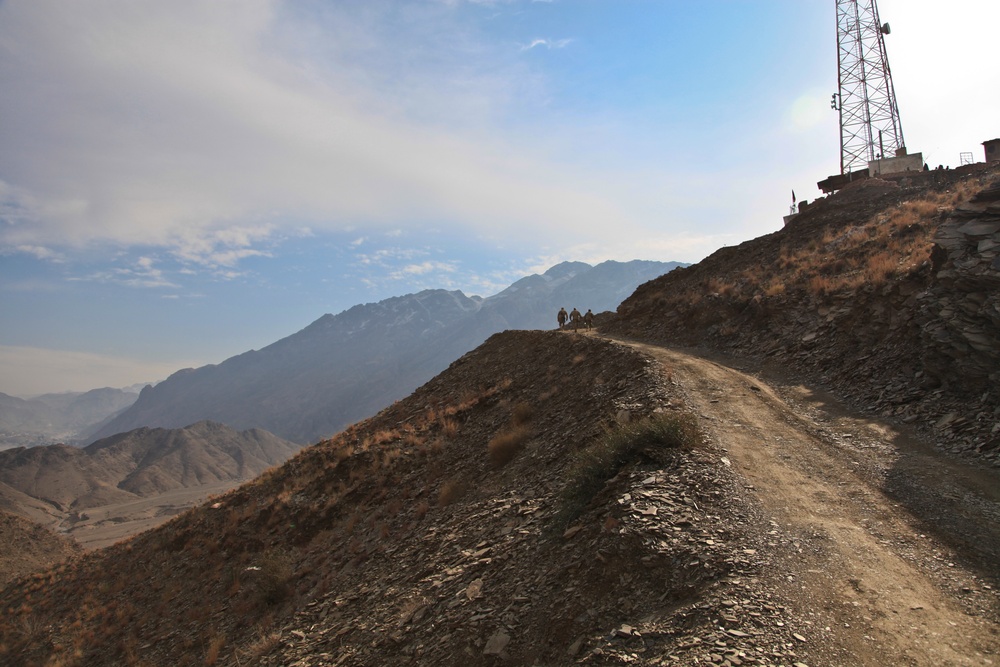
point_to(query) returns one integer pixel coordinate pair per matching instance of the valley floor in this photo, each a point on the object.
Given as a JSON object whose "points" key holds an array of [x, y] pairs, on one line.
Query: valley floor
{"points": [[99, 527], [886, 552]]}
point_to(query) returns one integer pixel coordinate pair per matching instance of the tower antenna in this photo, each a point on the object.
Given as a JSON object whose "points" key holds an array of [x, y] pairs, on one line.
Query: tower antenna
{"points": [[869, 116]]}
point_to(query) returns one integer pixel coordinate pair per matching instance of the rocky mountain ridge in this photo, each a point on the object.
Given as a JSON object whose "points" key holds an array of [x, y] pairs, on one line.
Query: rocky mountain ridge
{"points": [[141, 463], [344, 367]]}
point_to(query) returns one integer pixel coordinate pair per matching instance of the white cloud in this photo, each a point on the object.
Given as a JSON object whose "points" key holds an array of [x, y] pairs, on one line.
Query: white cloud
{"points": [[423, 268], [41, 252], [385, 257], [171, 124], [143, 274], [547, 43]]}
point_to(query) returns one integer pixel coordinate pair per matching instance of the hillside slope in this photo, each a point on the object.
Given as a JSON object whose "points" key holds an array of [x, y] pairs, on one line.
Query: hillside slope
{"points": [[888, 291], [138, 464], [29, 547], [395, 513], [345, 367], [482, 521]]}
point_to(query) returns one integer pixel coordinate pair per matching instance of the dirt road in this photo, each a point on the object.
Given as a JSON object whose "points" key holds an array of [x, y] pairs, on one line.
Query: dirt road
{"points": [[887, 551]]}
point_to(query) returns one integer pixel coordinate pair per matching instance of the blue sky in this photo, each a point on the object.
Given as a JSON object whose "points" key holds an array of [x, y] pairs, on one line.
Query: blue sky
{"points": [[181, 182]]}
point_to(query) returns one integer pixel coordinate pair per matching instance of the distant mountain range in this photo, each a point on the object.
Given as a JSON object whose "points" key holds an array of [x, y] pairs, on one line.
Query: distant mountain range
{"points": [[57, 417], [346, 367], [141, 463]]}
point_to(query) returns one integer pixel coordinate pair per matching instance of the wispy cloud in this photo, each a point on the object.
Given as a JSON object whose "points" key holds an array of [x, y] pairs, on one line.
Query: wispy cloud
{"points": [[138, 123], [385, 257], [41, 252], [143, 273], [423, 268], [547, 44]]}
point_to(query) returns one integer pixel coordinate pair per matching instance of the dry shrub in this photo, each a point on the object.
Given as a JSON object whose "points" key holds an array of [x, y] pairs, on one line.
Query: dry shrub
{"points": [[436, 447], [214, 646], [265, 642], [389, 456], [451, 491], [915, 211], [272, 582], [880, 267], [522, 413], [421, 509], [775, 289], [505, 446], [820, 285], [651, 439], [714, 285], [352, 523], [385, 436], [449, 428]]}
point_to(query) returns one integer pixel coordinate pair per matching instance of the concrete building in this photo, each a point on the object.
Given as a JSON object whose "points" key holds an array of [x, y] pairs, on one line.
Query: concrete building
{"points": [[992, 148], [896, 165]]}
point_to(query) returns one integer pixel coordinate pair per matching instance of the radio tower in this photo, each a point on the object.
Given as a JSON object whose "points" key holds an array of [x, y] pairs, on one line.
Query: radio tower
{"points": [[869, 117]]}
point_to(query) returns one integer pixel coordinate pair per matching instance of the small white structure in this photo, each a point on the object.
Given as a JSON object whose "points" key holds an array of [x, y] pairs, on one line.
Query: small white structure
{"points": [[896, 165]]}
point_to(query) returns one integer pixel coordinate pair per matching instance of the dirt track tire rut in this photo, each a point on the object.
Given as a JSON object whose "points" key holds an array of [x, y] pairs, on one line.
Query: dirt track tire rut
{"points": [[868, 578]]}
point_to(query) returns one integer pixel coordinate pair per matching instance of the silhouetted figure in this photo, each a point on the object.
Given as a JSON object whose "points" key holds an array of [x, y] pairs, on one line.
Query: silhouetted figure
{"points": [[574, 319], [562, 317], [588, 319]]}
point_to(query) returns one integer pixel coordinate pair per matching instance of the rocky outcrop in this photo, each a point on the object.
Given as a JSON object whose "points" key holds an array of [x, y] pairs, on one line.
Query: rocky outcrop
{"points": [[919, 343], [962, 326]]}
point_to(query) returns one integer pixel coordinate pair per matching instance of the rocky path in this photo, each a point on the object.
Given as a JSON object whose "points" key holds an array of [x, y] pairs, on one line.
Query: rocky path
{"points": [[887, 552]]}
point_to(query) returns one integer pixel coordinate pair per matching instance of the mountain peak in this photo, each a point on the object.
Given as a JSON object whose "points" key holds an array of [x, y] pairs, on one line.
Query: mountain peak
{"points": [[345, 367], [567, 269]]}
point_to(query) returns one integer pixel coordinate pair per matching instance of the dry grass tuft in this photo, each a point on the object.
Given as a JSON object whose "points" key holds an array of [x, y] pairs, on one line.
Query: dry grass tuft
{"points": [[451, 491], [523, 413], [650, 439], [880, 267], [214, 647], [265, 642], [272, 582], [449, 427], [506, 445]]}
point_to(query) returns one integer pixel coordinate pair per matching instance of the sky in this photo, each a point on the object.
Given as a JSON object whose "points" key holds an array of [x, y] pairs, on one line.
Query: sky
{"points": [[184, 181]]}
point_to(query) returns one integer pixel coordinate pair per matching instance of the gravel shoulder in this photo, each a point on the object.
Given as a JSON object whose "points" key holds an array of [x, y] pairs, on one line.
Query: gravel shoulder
{"points": [[887, 551]]}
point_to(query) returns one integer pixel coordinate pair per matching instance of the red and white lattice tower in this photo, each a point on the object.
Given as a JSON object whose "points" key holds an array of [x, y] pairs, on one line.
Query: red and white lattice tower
{"points": [[869, 117]]}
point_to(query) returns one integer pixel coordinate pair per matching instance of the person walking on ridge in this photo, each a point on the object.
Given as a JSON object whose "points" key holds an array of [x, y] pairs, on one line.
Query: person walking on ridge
{"points": [[588, 319], [562, 317], [574, 319]]}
